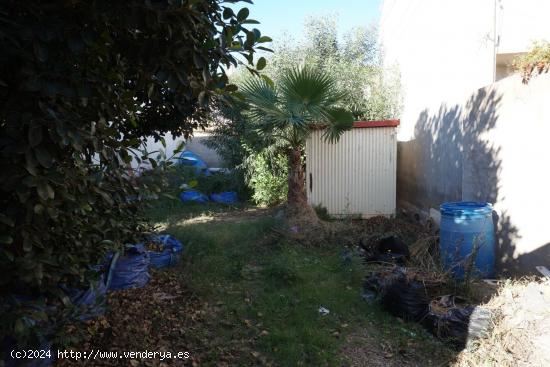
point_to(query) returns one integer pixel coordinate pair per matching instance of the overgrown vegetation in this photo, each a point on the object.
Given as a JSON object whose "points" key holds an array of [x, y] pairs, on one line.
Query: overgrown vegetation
{"points": [[355, 66], [185, 177], [536, 61], [265, 296], [267, 174], [81, 85], [285, 113], [263, 170], [246, 294]]}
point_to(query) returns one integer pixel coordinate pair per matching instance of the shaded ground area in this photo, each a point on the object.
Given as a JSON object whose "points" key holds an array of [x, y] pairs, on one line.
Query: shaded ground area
{"points": [[243, 296]]}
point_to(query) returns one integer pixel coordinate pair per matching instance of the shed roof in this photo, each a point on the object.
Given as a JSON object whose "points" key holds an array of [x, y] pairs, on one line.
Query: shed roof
{"points": [[379, 123]]}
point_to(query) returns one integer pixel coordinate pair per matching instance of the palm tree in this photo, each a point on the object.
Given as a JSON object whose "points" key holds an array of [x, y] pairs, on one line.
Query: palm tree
{"points": [[303, 100]]}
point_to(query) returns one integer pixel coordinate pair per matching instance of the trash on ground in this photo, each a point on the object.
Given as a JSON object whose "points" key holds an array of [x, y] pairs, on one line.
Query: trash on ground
{"points": [[407, 293], [164, 251], [452, 319], [188, 158], [193, 195], [219, 170], [543, 270], [324, 311], [131, 270], [390, 249], [227, 197], [89, 303], [406, 298]]}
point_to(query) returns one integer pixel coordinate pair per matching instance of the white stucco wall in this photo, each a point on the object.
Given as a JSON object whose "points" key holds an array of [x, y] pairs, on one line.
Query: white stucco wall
{"points": [[462, 136], [489, 146], [194, 144], [444, 49]]}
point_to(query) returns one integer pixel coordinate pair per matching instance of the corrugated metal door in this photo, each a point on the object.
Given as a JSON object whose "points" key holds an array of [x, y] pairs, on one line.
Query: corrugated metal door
{"points": [[356, 175]]}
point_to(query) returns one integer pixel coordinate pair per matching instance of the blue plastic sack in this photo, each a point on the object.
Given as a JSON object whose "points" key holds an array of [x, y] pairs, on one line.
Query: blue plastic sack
{"points": [[89, 303], [131, 270], [193, 195], [227, 197], [169, 256], [188, 158]]}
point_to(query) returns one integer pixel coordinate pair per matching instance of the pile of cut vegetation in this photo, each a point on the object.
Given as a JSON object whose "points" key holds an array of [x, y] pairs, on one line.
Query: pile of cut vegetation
{"points": [[520, 334]]}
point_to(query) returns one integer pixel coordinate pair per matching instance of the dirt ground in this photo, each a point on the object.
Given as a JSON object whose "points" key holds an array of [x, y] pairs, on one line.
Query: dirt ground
{"points": [[362, 349]]}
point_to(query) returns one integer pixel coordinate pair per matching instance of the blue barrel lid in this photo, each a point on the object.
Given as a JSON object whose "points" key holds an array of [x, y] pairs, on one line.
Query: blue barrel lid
{"points": [[467, 209]]}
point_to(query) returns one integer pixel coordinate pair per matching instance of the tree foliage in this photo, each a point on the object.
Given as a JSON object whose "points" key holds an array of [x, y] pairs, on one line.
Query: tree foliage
{"points": [[536, 61], [303, 99], [262, 170], [353, 61], [267, 174], [81, 84]]}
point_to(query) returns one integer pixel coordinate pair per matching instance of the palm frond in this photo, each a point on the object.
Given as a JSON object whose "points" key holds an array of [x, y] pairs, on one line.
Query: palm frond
{"points": [[340, 120], [264, 103], [309, 88], [305, 98], [258, 92]]}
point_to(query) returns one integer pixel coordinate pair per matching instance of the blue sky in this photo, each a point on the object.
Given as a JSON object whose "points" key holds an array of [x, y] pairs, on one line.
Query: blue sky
{"points": [[276, 16]]}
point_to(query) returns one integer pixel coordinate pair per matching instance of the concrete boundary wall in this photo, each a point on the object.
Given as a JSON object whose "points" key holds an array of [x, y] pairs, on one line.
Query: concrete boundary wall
{"points": [[492, 146]]}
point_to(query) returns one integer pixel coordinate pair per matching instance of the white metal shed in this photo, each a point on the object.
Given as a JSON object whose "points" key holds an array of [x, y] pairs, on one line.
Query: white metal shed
{"points": [[356, 175]]}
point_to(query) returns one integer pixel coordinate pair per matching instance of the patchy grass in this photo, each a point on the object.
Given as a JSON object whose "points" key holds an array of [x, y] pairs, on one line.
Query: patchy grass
{"points": [[168, 210], [268, 295]]}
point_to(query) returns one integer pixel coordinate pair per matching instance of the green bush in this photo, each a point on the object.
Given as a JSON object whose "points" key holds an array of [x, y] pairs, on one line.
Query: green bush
{"points": [[268, 178], [82, 84]]}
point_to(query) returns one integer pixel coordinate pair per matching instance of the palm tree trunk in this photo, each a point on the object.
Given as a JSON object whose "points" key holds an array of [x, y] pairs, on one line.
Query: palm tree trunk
{"points": [[296, 185]]}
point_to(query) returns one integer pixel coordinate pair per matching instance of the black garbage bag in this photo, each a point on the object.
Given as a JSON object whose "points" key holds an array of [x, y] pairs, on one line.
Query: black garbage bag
{"points": [[393, 245], [406, 299], [379, 282], [448, 317], [458, 325], [390, 249], [399, 295], [453, 325]]}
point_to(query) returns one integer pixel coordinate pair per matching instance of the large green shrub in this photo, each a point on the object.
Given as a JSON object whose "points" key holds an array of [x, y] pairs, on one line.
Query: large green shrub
{"points": [[268, 178], [260, 172], [81, 84], [230, 133]]}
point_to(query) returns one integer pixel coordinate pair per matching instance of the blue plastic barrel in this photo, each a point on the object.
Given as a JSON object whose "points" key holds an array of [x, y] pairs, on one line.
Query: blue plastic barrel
{"points": [[466, 234]]}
